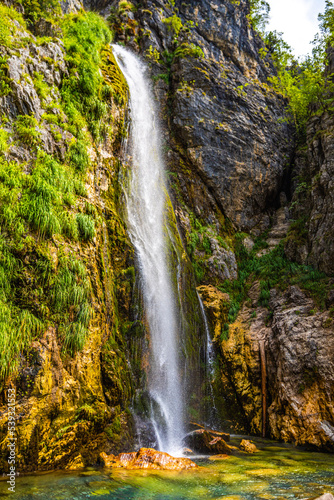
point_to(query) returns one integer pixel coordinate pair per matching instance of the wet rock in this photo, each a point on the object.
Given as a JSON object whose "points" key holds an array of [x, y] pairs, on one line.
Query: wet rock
{"points": [[203, 441], [187, 452], [216, 305], [194, 426], [76, 464], [248, 446], [147, 458]]}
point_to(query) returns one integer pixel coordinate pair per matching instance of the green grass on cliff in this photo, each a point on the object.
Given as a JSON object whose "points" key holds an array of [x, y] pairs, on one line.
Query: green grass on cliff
{"points": [[43, 203], [85, 35], [272, 270]]}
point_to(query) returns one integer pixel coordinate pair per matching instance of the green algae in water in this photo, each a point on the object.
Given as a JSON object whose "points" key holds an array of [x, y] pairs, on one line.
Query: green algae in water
{"points": [[276, 472]]}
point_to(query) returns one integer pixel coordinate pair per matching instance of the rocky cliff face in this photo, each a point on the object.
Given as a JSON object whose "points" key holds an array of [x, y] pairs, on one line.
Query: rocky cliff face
{"points": [[69, 250], [227, 124], [231, 150], [228, 149], [298, 346], [311, 236]]}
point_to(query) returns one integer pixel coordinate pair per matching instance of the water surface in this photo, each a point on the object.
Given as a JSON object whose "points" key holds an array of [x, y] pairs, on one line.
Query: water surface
{"points": [[277, 471]]}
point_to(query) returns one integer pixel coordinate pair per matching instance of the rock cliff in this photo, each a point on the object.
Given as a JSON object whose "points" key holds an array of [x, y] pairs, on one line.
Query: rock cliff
{"points": [[65, 254], [68, 282]]}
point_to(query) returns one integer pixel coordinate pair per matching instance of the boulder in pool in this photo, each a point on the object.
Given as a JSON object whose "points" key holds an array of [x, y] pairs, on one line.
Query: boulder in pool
{"points": [[147, 458], [248, 447], [326, 496], [202, 441]]}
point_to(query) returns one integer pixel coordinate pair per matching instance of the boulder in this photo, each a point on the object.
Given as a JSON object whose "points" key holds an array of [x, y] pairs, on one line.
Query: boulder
{"points": [[203, 441], [147, 458], [248, 446], [194, 427], [326, 496]]}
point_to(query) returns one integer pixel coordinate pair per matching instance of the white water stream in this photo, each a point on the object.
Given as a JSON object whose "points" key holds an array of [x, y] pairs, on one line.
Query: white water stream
{"points": [[145, 206]]}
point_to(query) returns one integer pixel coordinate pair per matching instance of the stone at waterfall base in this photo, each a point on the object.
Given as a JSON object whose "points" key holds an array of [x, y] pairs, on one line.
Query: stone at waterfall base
{"points": [[248, 446], [326, 496], [203, 441], [147, 458]]}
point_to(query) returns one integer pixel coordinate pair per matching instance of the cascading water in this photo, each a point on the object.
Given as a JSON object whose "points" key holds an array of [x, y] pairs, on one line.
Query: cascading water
{"points": [[145, 206], [209, 364]]}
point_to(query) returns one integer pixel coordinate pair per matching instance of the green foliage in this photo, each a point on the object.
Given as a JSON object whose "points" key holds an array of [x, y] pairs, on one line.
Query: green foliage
{"points": [[39, 201], [86, 226], [36, 9], [186, 49], [306, 85], [125, 6], [3, 141], [27, 131], [326, 19], [273, 270], [42, 202], [259, 14], [5, 88], [302, 84], [174, 24], [42, 88], [71, 293], [182, 46], [85, 35], [8, 29], [78, 156], [17, 330]]}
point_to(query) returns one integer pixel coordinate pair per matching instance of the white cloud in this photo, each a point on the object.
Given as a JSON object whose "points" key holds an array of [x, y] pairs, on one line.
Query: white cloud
{"points": [[297, 19]]}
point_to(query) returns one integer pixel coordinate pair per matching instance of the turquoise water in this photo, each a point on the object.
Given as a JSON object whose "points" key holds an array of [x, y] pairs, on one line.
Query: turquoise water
{"points": [[276, 472]]}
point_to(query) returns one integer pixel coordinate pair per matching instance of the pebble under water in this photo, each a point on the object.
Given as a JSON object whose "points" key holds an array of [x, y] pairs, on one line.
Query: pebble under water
{"points": [[277, 471]]}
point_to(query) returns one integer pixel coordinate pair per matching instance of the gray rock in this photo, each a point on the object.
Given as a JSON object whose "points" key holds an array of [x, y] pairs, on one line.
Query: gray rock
{"points": [[226, 121]]}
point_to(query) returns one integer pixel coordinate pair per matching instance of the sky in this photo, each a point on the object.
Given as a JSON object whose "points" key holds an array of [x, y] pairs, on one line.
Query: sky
{"points": [[298, 20]]}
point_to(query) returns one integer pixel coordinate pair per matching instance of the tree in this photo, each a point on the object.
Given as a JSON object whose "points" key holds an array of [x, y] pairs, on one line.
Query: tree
{"points": [[259, 14]]}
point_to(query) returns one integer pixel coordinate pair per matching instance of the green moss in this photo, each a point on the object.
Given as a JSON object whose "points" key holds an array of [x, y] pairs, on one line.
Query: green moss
{"points": [[114, 77]]}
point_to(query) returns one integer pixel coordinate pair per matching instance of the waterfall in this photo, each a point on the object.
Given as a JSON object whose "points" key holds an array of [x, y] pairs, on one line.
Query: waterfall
{"points": [[209, 364], [145, 194]]}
